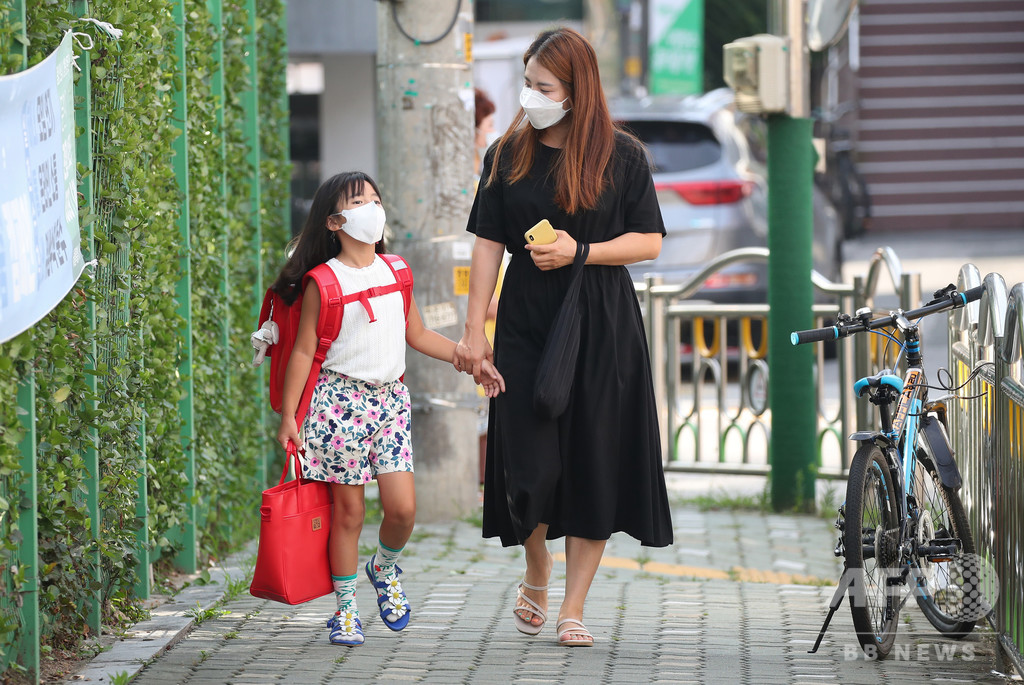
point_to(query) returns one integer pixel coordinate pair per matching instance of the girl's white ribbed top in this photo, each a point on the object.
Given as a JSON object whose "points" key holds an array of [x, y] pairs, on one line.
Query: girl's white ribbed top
{"points": [[373, 352]]}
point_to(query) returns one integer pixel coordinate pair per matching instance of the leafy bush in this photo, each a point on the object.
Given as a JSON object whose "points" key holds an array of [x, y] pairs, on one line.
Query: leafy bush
{"points": [[107, 360]]}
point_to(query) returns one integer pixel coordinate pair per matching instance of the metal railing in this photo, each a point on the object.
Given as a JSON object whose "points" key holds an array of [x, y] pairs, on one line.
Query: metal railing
{"points": [[985, 341], [986, 427], [717, 420]]}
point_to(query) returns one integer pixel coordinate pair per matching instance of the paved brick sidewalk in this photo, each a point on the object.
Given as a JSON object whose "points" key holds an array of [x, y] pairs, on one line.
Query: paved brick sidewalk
{"points": [[738, 599]]}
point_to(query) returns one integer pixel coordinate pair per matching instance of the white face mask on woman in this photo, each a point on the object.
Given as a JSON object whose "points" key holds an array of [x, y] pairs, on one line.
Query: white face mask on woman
{"points": [[541, 110], [365, 223]]}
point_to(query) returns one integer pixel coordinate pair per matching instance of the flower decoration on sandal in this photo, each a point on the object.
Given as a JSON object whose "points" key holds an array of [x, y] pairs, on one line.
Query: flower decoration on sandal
{"points": [[345, 629], [391, 600]]}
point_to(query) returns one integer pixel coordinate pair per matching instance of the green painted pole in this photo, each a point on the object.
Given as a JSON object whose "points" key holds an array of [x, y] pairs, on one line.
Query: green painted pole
{"points": [[28, 549], [187, 558], [83, 151], [217, 87], [285, 132], [251, 129], [791, 394], [27, 643], [216, 10]]}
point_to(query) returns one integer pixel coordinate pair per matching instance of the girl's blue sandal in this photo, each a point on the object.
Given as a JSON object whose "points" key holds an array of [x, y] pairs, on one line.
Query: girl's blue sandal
{"points": [[391, 598], [345, 629]]}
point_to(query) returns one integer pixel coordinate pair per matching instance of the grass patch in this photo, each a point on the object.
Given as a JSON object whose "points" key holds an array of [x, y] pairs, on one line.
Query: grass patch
{"points": [[723, 500], [201, 615], [475, 518]]}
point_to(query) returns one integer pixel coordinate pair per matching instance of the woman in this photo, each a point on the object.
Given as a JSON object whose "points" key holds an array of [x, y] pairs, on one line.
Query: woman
{"points": [[482, 134], [596, 469]]}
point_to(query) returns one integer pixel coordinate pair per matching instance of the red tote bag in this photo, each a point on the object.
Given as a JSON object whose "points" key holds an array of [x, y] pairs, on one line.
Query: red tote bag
{"points": [[295, 523]]}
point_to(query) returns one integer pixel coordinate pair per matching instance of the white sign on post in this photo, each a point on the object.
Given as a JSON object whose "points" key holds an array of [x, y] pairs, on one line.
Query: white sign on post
{"points": [[40, 241]]}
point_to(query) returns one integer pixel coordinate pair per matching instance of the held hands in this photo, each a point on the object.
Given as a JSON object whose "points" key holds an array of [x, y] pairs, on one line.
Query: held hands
{"points": [[554, 255], [483, 371]]}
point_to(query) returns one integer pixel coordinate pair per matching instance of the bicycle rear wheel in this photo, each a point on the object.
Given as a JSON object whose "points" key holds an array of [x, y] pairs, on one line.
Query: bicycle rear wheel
{"points": [[947, 591], [871, 542]]}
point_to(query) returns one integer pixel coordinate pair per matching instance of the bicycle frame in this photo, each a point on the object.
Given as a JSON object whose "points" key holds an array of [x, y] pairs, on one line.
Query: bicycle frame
{"points": [[901, 431]]}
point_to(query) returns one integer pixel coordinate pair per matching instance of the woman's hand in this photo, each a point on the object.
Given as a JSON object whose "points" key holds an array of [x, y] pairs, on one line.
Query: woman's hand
{"points": [[554, 255], [470, 353], [288, 432]]}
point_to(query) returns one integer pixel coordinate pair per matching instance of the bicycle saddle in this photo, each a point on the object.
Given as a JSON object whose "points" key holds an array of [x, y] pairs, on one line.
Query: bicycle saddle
{"points": [[883, 377]]}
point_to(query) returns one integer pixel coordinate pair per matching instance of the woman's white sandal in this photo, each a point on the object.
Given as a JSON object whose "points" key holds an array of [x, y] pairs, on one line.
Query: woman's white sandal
{"points": [[581, 630], [522, 625]]}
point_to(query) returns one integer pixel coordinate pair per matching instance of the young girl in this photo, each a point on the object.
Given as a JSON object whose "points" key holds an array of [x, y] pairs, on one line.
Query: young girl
{"points": [[357, 427]]}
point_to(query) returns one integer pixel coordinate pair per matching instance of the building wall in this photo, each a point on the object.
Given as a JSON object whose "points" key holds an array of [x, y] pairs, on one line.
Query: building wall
{"points": [[941, 119], [348, 139]]}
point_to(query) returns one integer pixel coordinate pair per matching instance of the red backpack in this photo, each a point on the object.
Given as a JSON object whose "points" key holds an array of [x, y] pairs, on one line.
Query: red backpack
{"points": [[328, 325]]}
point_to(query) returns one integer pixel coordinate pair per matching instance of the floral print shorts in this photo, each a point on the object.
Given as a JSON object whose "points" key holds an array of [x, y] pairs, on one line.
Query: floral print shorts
{"points": [[356, 431]]}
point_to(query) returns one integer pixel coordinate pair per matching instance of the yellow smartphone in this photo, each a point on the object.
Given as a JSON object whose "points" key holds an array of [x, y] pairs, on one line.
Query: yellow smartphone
{"points": [[542, 233]]}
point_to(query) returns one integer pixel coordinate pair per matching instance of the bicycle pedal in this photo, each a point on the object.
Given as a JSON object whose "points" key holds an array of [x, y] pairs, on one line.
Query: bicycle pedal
{"points": [[940, 549]]}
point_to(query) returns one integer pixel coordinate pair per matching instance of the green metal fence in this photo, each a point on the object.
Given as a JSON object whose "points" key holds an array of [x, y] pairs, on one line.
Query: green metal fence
{"points": [[124, 320]]}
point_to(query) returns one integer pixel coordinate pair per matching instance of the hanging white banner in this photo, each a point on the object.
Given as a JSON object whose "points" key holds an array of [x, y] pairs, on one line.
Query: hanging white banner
{"points": [[40, 241]]}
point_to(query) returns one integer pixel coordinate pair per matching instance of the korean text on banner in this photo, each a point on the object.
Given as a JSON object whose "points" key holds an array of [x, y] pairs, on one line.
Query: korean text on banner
{"points": [[40, 241]]}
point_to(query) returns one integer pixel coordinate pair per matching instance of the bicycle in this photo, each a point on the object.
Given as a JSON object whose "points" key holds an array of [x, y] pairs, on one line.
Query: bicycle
{"points": [[842, 180], [902, 524]]}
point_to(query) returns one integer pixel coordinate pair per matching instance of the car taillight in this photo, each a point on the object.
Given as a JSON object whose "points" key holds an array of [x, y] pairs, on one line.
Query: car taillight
{"points": [[708, 192]]}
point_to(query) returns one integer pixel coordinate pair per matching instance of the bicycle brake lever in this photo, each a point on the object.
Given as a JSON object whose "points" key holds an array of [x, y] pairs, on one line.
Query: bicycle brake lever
{"points": [[942, 294]]}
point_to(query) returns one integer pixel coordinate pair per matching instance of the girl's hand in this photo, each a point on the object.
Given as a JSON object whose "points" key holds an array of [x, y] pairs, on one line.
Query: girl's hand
{"points": [[288, 432], [554, 255], [493, 383]]}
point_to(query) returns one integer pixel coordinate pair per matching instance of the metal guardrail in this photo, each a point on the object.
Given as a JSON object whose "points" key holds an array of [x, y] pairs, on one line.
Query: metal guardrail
{"points": [[986, 429], [723, 419]]}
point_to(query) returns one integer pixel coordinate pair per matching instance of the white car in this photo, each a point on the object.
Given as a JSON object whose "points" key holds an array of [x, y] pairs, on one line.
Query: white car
{"points": [[710, 173]]}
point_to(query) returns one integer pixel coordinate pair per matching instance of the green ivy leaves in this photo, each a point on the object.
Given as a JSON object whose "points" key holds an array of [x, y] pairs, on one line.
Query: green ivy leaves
{"points": [[106, 360]]}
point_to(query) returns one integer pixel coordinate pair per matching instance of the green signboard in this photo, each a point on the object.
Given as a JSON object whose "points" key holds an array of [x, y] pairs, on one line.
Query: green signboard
{"points": [[676, 40]]}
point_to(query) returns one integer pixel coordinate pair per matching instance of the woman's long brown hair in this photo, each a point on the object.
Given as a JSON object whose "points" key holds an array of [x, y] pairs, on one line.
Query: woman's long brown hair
{"points": [[580, 171]]}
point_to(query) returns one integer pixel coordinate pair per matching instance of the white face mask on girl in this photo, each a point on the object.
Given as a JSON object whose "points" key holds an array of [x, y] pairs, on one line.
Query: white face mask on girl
{"points": [[365, 223], [541, 110]]}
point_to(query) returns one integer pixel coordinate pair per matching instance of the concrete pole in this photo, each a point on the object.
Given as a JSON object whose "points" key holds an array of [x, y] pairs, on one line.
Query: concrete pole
{"points": [[792, 445], [425, 126]]}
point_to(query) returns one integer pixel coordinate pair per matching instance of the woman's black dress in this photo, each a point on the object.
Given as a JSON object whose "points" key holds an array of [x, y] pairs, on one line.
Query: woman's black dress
{"points": [[597, 468]]}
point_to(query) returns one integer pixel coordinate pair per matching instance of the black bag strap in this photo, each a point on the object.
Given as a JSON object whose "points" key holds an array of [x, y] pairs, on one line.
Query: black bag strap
{"points": [[582, 252]]}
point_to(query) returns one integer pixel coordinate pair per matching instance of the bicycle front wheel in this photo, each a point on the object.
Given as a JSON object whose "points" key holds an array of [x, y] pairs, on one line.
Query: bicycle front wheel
{"points": [[871, 542], [947, 587]]}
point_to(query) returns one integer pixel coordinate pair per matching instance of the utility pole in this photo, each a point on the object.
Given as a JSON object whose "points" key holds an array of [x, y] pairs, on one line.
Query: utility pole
{"points": [[790, 293], [425, 140]]}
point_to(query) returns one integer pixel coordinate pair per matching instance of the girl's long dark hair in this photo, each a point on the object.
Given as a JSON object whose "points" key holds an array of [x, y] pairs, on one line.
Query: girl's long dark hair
{"points": [[316, 243]]}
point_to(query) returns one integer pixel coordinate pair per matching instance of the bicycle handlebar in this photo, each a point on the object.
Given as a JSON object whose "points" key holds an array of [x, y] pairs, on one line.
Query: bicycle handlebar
{"points": [[846, 326]]}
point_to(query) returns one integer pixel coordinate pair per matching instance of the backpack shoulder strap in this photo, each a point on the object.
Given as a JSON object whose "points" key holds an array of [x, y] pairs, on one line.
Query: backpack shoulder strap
{"points": [[403, 274], [328, 326]]}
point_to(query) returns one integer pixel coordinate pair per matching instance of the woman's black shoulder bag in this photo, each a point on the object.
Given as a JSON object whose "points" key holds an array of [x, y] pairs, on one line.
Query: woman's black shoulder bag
{"points": [[557, 366]]}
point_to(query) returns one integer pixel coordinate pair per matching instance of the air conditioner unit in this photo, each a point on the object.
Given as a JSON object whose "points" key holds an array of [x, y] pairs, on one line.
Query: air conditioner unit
{"points": [[757, 69]]}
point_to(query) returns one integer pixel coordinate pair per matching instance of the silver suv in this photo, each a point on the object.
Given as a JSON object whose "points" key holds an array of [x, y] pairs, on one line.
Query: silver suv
{"points": [[709, 170]]}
